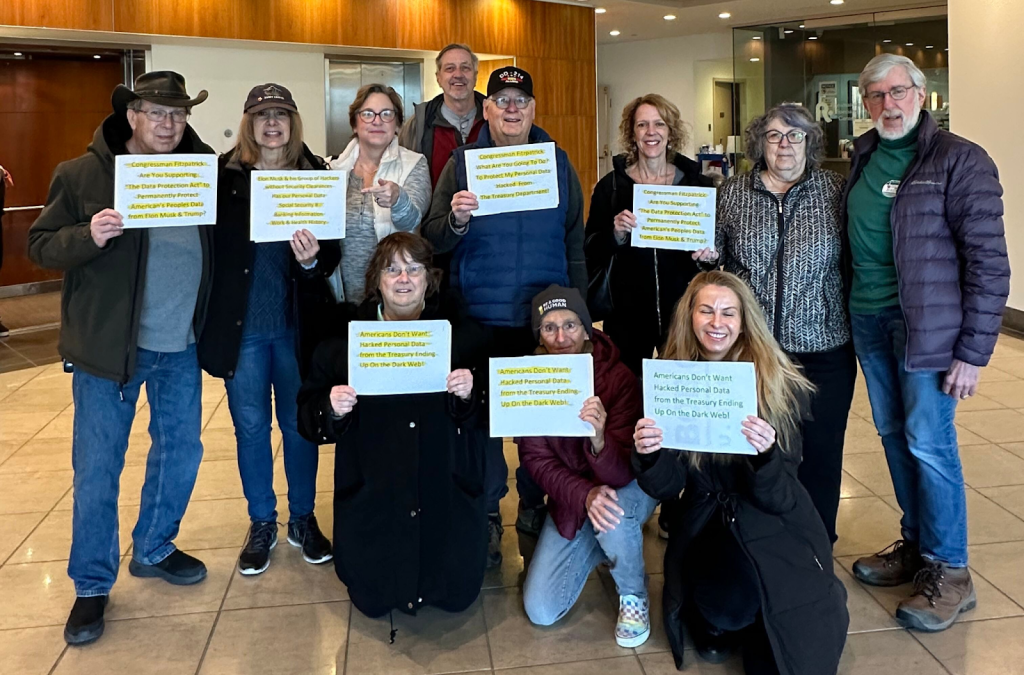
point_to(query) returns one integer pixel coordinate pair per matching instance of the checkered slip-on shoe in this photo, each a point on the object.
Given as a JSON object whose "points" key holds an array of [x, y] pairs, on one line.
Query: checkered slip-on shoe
{"points": [[634, 625]]}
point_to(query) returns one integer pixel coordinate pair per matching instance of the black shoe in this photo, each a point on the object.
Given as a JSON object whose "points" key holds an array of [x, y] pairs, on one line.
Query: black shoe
{"points": [[255, 557], [713, 644], [494, 532], [306, 534], [85, 623], [529, 522], [179, 568], [4, 332]]}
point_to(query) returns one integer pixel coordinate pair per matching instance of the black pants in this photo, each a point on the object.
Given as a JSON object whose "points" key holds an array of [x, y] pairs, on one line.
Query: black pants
{"points": [[821, 472], [636, 341]]}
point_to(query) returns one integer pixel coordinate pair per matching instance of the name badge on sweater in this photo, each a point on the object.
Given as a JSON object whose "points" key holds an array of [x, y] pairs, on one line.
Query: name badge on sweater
{"points": [[890, 189]]}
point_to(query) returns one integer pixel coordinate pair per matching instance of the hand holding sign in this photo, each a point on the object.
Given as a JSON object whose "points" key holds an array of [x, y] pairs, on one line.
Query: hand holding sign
{"points": [[624, 223], [647, 437], [343, 399], [106, 225], [460, 383], [593, 413], [305, 247], [463, 205], [759, 433]]}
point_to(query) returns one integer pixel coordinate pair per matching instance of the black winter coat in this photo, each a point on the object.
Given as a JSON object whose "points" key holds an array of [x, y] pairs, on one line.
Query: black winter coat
{"points": [[410, 522], [774, 521], [313, 307], [646, 282], [948, 243]]}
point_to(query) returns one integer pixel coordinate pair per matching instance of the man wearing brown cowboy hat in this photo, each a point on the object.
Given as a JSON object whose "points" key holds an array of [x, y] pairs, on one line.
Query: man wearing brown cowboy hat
{"points": [[133, 304]]}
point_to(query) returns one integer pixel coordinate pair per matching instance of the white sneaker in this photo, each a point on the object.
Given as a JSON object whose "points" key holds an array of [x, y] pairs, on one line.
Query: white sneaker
{"points": [[634, 624]]}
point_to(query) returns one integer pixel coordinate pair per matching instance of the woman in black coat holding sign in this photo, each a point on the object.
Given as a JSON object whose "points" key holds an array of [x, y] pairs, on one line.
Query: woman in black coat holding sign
{"points": [[748, 562], [410, 524]]}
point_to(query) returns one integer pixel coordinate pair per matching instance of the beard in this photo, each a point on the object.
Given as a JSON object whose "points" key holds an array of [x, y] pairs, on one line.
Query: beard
{"points": [[909, 122]]}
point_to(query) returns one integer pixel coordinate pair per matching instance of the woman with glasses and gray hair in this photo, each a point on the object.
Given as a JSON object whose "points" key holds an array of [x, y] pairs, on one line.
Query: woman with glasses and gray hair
{"points": [[388, 185], [779, 229]]}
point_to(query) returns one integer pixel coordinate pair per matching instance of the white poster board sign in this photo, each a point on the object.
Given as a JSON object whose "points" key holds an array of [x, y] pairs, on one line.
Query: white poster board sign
{"points": [[286, 201], [540, 395], [165, 190], [700, 405], [674, 217], [399, 357], [513, 178]]}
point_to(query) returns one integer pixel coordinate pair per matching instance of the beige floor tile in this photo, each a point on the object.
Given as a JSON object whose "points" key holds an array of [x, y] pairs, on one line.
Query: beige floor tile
{"points": [[983, 402], [861, 437], [153, 646], [871, 470], [622, 665], [865, 525], [992, 373], [991, 466], [132, 480], [430, 642], [1001, 565], [21, 426], [301, 640], [40, 594], [996, 426], [218, 523], [60, 426], [851, 487], [219, 444], [654, 550], [218, 480], [887, 653], [52, 539], [39, 455], [662, 664], [980, 648], [12, 381], [1015, 448], [965, 437], [37, 400], [866, 614], [135, 598], [1010, 498], [8, 448], [1008, 394], [988, 522], [138, 449], [30, 651], [221, 417], [34, 491], [289, 580], [586, 632], [1013, 367], [14, 529], [861, 405], [140, 425]]}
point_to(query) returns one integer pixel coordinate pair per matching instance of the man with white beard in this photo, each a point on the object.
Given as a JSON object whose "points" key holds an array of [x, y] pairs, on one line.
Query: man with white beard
{"points": [[927, 277]]}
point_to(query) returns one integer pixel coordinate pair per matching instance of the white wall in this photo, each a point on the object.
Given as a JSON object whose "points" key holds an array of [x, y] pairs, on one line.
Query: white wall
{"points": [[229, 74], [670, 67], [986, 90]]}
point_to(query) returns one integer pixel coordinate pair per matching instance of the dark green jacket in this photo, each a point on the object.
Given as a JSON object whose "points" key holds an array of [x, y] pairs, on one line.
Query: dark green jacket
{"points": [[101, 301]]}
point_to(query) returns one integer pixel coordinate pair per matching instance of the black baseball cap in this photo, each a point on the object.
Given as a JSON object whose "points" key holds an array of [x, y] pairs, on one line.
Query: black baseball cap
{"points": [[269, 95], [503, 78]]}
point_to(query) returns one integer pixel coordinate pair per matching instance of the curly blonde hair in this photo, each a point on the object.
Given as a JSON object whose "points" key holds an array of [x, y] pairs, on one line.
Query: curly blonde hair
{"points": [[678, 137]]}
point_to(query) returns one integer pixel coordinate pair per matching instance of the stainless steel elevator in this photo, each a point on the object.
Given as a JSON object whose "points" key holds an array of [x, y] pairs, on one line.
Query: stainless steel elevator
{"points": [[345, 77]]}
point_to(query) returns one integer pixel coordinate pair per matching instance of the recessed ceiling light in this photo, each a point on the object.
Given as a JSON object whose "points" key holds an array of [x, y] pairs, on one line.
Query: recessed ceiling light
{"points": [[17, 53], [788, 31], [724, 15], [886, 40], [929, 46], [754, 60], [946, 49], [800, 26], [613, 33], [836, 2], [812, 37], [756, 37], [910, 44], [600, 10], [96, 56], [669, 17]]}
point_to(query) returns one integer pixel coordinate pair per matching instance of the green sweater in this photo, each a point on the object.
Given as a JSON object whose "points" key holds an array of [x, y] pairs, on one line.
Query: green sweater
{"points": [[869, 206]]}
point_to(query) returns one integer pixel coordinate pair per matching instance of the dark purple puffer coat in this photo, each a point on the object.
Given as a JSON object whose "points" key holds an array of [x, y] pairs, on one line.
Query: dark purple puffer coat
{"points": [[949, 247]]}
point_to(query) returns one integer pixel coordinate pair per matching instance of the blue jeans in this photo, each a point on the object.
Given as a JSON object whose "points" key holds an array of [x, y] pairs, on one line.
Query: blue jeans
{"points": [[265, 361], [104, 411], [560, 566], [915, 420]]}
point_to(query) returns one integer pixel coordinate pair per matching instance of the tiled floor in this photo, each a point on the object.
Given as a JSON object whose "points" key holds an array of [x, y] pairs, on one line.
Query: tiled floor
{"points": [[33, 321], [296, 618]]}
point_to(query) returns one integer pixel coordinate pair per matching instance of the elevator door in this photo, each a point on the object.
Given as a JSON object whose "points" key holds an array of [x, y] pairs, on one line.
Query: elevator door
{"points": [[344, 78]]}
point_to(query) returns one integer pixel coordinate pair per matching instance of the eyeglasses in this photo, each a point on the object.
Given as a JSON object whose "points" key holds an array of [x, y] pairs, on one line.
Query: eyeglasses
{"points": [[796, 137], [368, 115], [551, 329], [413, 270], [897, 94], [503, 101], [159, 115], [272, 113]]}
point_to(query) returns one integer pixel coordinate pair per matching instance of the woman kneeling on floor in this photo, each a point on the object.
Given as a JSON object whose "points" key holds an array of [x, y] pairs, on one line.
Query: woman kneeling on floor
{"points": [[748, 562], [410, 524]]}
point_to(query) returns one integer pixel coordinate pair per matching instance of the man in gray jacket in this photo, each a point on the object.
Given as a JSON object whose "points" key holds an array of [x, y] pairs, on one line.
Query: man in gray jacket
{"points": [[133, 306]]}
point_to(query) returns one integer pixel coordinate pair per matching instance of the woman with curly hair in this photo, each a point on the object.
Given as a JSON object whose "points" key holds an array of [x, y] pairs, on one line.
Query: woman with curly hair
{"points": [[645, 282]]}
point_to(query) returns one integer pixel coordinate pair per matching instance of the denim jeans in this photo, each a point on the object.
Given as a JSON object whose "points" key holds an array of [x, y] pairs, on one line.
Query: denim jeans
{"points": [[915, 420], [104, 411], [560, 566], [266, 361]]}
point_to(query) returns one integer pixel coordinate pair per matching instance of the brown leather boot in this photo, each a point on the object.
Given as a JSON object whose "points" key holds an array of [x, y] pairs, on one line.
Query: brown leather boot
{"points": [[941, 592], [891, 566]]}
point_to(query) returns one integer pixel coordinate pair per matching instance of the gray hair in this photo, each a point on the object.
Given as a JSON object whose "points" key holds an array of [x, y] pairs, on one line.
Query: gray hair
{"points": [[454, 46], [793, 115], [878, 68]]}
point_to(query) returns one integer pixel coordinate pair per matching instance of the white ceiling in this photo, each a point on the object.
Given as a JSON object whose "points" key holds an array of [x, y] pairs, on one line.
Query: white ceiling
{"points": [[643, 19]]}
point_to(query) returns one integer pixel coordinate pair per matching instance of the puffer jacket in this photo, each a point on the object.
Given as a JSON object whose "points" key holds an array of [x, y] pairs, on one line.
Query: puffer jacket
{"points": [[949, 247], [789, 252]]}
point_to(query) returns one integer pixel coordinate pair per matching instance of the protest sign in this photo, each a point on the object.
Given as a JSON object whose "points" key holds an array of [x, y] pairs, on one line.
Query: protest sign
{"points": [[166, 190], [399, 357], [513, 178], [674, 217], [540, 395], [286, 201], [700, 405]]}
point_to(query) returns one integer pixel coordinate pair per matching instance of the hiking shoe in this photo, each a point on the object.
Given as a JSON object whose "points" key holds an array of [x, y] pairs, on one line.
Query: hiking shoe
{"points": [[304, 533], [529, 522], [891, 566], [255, 556], [179, 568], [494, 532], [634, 624], [940, 593], [4, 332], [85, 623]]}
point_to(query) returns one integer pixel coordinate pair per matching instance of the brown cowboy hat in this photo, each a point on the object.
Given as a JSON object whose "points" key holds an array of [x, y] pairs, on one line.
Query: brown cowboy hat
{"points": [[163, 87]]}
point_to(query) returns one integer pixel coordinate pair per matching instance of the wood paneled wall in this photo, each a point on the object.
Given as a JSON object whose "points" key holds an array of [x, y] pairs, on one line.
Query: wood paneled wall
{"points": [[554, 42]]}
